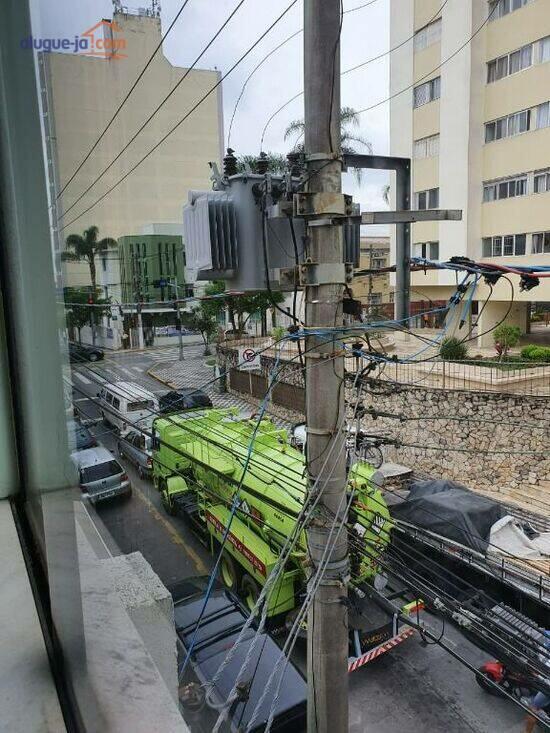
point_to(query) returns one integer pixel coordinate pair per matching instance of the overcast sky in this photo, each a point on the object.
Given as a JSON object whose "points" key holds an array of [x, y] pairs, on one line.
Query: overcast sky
{"points": [[365, 34]]}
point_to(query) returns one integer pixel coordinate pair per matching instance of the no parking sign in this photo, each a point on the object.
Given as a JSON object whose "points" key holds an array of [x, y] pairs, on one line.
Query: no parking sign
{"points": [[249, 359]]}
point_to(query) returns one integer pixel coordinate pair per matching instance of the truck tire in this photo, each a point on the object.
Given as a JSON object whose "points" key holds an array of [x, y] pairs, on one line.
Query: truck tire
{"points": [[250, 590], [229, 572]]}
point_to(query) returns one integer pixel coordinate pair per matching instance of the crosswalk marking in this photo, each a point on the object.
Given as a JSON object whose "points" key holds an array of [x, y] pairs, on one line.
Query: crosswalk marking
{"points": [[83, 378]]}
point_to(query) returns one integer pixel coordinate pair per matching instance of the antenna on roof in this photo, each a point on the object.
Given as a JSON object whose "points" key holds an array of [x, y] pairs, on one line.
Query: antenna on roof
{"points": [[155, 7]]}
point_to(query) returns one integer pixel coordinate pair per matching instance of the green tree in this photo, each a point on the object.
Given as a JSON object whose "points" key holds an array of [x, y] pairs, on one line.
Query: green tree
{"points": [[200, 320], [86, 246], [349, 121], [240, 308], [505, 338], [77, 309]]}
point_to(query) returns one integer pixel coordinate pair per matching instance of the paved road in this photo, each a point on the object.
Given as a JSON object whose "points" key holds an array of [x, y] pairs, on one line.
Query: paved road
{"points": [[415, 687]]}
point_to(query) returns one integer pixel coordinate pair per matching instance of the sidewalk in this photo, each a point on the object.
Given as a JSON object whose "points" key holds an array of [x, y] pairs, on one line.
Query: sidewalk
{"points": [[194, 372]]}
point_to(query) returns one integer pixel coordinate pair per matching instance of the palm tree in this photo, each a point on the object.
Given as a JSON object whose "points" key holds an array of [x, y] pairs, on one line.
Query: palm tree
{"points": [[86, 247], [349, 119]]}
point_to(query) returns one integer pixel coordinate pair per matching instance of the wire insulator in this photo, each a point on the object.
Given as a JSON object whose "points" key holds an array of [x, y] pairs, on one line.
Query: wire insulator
{"points": [[230, 163]]}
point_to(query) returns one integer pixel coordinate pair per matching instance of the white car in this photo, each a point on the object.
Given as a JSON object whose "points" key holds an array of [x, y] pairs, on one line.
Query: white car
{"points": [[123, 404]]}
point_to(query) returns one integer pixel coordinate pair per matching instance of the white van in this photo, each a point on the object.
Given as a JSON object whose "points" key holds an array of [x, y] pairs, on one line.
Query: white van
{"points": [[123, 404]]}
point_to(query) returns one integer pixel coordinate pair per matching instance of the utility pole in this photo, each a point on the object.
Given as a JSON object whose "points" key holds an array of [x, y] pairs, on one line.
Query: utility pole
{"points": [[325, 406], [140, 326]]}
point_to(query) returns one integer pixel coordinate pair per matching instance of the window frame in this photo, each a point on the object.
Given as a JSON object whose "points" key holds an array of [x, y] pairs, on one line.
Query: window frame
{"points": [[497, 244], [433, 88]]}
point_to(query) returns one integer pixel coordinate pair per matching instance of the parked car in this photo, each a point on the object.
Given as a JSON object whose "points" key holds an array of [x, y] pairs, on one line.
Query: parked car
{"points": [[101, 476], [80, 438], [185, 398], [221, 622], [138, 448], [125, 403], [82, 352]]}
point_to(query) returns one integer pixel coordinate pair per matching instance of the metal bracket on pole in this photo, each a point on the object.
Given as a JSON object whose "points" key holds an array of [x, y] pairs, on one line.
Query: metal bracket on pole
{"points": [[408, 217], [314, 273], [322, 204]]}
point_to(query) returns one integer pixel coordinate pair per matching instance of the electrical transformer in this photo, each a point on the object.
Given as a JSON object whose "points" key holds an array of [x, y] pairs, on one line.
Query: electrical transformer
{"points": [[245, 232]]}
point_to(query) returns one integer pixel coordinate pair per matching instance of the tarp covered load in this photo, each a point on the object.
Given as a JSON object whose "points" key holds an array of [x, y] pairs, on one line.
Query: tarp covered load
{"points": [[451, 510]]}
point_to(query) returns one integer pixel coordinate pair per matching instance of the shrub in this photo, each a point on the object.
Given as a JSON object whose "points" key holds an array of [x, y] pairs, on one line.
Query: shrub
{"points": [[505, 337], [527, 351], [536, 353], [452, 349]]}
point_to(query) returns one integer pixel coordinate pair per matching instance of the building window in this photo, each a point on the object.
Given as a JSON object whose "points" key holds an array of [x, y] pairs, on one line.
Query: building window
{"points": [[541, 243], [505, 188], [375, 298], [426, 250], [543, 50], [428, 35], [510, 244], [427, 92], [426, 147], [499, 8], [428, 199], [508, 126], [541, 181], [543, 115], [510, 64]]}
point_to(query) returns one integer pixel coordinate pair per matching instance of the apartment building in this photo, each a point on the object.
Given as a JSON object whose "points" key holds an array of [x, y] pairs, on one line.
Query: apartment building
{"points": [[374, 290], [472, 110], [80, 94]]}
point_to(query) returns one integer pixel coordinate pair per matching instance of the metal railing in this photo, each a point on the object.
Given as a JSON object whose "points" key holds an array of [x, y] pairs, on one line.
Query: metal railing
{"points": [[521, 378]]}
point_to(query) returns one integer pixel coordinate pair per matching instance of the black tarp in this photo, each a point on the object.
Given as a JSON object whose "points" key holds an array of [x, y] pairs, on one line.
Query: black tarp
{"points": [[451, 510]]}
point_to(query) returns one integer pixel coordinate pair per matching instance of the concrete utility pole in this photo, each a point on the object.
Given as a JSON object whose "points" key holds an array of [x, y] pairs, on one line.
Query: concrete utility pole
{"points": [[327, 619]]}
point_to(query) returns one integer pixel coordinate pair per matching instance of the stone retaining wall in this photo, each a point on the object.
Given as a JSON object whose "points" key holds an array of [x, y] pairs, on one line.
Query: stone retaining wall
{"points": [[479, 439]]}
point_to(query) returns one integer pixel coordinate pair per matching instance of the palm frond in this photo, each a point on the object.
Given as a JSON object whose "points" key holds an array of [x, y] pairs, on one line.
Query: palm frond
{"points": [[294, 127], [105, 243], [70, 256], [349, 116]]}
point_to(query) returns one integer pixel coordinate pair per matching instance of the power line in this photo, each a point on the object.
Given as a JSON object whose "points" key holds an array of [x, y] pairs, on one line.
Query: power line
{"points": [[348, 71], [267, 56], [185, 117], [159, 106], [128, 94]]}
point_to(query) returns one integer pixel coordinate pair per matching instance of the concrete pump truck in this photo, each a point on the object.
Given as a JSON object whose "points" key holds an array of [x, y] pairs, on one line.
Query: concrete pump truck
{"points": [[219, 470]]}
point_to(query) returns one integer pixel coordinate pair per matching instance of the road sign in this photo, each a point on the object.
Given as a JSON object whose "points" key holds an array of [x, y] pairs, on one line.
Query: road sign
{"points": [[249, 359]]}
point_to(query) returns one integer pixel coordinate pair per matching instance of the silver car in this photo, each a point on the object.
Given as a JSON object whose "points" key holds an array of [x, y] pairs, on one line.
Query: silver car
{"points": [[138, 448], [101, 476]]}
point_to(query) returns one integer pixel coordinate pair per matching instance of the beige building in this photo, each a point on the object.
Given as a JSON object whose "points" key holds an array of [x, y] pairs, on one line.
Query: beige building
{"points": [[80, 94], [477, 127], [374, 290]]}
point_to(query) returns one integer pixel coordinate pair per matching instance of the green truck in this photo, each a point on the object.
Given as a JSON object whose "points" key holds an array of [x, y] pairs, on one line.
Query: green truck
{"points": [[199, 460]]}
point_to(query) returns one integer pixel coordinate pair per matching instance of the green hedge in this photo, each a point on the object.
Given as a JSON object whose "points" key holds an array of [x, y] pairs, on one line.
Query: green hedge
{"points": [[532, 352]]}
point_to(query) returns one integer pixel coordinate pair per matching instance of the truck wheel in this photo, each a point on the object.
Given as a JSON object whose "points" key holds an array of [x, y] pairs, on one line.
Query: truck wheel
{"points": [[250, 591], [168, 506], [228, 572]]}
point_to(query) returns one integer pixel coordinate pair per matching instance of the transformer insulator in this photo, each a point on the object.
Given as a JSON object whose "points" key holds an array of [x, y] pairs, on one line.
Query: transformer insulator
{"points": [[230, 163], [262, 164], [294, 164]]}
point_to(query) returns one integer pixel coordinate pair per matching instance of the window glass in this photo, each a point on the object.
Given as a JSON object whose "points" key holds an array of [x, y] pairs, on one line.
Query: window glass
{"points": [[109, 398], [487, 249], [497, 246], [544, 50], [536, 244], [543, 117], [503, 190], [100, 471], [490, 132], [521, 186], [434, 250], [501, 128], [526, 56], [116, 403], [515, 62], [421, 95], [436, 88], [489, 192], [433, 198], [140, 405], [520, 244], [508, 248], [541, 182], [421, 199], [546, 243]]}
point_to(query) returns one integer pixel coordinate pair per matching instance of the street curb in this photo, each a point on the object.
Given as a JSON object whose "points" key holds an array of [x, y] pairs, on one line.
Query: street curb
{"points": [[166, 382]]}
